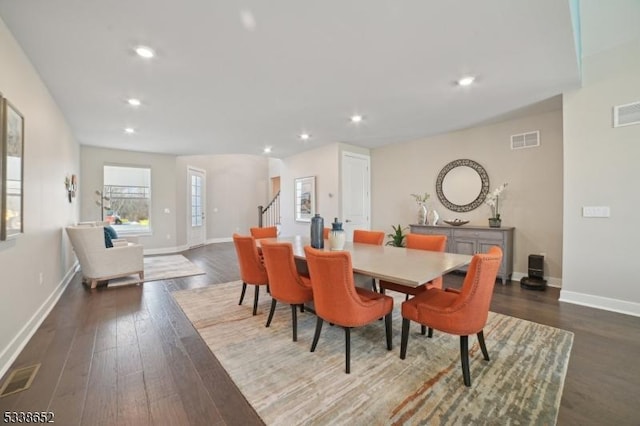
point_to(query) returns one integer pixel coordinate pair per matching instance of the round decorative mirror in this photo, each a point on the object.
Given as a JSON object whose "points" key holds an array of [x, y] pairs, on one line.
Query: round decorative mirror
{"points": [[462, 185]]}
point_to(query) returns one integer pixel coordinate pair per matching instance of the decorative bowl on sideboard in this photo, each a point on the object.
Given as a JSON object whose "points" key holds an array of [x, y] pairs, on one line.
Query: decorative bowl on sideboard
{"points": [[456, 222]]}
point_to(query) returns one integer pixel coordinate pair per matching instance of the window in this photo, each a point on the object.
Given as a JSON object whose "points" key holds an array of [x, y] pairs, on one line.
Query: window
{"points": [[127, 198]]}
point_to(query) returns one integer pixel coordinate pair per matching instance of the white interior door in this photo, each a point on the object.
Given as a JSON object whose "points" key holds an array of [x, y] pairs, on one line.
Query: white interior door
{"points": [[356, 193], [197, 223]]}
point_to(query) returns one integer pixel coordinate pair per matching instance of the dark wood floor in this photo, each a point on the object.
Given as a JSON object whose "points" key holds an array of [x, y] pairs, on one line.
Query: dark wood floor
{"points": [[129, 356]]}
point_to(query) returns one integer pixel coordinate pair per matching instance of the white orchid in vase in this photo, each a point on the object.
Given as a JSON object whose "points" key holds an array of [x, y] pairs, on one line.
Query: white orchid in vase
{"points": [[492, 201]]}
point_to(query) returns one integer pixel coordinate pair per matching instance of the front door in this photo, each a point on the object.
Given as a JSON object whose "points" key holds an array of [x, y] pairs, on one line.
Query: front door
{"points": [[356, 190], [197, 224]]}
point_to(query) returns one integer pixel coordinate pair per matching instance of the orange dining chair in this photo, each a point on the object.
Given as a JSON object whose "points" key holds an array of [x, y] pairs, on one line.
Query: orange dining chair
{"points": [[368, 237], [420, 242], [267, 232], [337, 300], [375, 238], [459, 312], [252, 270], [286, 285]]}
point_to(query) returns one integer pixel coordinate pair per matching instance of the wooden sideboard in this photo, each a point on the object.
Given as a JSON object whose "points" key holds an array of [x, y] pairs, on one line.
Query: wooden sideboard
{"points": [[470, 239]]}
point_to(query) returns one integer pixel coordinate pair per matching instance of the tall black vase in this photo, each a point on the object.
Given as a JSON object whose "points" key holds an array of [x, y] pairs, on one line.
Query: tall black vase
{"points": [[317, 230]]}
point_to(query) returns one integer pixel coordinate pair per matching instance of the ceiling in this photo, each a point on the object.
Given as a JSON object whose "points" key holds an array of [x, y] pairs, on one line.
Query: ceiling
{"points": [[232, 77]]}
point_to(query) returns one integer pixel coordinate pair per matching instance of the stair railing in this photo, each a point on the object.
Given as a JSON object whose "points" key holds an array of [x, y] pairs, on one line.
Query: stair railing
{"points": [[270, 215]]}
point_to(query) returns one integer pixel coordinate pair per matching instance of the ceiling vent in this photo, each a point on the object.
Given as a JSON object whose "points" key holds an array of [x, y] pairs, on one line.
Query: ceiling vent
{"points": [[525, 140], [626, 115]]}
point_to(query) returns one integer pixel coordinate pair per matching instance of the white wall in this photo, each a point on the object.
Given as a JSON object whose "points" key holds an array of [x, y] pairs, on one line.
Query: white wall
{"points": [[532, 202], [601, 169], [50, 154], [323, 163], [163, 190]]}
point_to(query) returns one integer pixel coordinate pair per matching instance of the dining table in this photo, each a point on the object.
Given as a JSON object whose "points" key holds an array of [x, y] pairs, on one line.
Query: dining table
{"points": [[408, 267]]}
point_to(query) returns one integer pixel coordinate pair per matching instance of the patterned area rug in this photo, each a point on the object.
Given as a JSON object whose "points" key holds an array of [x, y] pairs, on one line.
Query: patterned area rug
{"points": [[161, 268], [286, 384]]}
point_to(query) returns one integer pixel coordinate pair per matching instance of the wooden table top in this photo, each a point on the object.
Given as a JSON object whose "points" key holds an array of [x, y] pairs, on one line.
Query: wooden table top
{"points": [[400, 265]]}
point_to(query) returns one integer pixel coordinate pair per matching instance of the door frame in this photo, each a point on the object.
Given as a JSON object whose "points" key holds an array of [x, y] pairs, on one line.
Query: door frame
{"points": [[188, 205]]}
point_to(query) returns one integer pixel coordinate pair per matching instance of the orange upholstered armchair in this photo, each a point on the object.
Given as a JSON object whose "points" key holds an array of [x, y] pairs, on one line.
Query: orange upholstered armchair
{"points": [[460, 312], [286, 285], [338, 301], [375, 238], [252, 271], [266, 232], [420, 242]]}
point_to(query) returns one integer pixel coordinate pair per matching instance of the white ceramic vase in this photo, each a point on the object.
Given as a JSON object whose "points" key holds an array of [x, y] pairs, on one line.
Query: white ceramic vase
{"points": [[336, 239], [422, 214], [433, 217]]}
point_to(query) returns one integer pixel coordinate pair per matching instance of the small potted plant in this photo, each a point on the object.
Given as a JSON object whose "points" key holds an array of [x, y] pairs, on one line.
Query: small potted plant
{"points": [[397, 238], [493, 201]]}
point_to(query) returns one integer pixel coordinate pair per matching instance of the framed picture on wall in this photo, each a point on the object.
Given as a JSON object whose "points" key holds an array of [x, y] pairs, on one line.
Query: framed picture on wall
{"points": [[305, 198], [11, 170]]}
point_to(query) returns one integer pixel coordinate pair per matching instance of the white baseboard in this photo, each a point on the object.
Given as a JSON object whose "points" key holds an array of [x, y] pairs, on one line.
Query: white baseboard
{"points": [[165, 250], [17, 344], [551, 281], [599, 302], [220, 240], [170, 250]]}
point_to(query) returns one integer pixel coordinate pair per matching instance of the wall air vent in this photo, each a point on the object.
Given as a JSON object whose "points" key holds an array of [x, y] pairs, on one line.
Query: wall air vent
{"points": [[626, 115], [525, 140]]}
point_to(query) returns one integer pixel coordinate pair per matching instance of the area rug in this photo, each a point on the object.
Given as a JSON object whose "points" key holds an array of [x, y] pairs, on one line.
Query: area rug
{"points": [[161, 268], [286, 384]]}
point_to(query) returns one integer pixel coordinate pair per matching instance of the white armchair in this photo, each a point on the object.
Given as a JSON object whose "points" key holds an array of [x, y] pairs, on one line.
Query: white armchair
{"points": [[99, 263]]}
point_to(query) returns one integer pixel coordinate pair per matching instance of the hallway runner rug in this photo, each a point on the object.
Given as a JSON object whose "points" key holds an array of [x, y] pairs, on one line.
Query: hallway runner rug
{"points": [[161, 268]]}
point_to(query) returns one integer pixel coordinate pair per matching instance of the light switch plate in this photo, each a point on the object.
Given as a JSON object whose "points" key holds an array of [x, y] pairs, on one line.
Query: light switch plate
{"points": [[596, 211]]}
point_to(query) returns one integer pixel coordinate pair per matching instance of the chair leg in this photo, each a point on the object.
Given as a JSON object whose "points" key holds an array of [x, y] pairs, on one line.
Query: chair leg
{"points": [[464, 357], [373, 285], [302, 307], [347, 347], [482, 345], [255, 300], [423, 329], [271, 312], [244, 288], [387, 329], [430, 335], [406, 297], [294, 322], [316, 336], [405, 338]]}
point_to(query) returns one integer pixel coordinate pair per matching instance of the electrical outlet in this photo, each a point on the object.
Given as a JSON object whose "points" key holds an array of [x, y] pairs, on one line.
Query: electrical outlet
{"points": [[41, 278]]}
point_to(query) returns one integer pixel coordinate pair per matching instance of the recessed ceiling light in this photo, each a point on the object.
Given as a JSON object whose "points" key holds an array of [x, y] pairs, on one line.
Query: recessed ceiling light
{"points": [[305, 136], [356, 118], [465, 81], [248, 20], [145, 52], [129, 130], [134, 102], [267, 149]]}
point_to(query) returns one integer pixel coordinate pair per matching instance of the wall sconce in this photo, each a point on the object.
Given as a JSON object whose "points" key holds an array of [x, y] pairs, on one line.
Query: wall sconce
{"points": [[71, 183]]}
